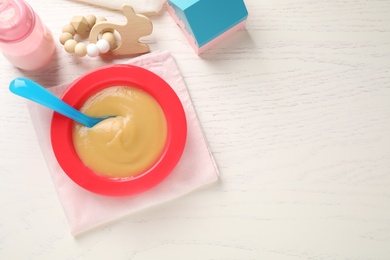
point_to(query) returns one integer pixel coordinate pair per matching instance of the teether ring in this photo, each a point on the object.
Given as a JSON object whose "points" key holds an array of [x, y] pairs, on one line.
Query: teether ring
{"points": [[82, 25], [101, 35]]}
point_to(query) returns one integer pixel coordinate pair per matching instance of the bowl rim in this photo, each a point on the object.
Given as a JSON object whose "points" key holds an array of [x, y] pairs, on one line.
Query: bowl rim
{"points": [[118, 75]]}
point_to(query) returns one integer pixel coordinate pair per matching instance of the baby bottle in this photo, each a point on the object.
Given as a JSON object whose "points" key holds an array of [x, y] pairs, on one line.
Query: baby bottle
{"points": [[24, 40]]}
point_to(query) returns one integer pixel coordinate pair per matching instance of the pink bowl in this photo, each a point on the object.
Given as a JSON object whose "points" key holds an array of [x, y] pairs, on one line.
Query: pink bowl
{"points": [[114, 75]]}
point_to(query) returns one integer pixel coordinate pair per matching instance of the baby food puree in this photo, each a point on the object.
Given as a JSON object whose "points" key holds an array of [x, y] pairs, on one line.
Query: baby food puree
{"points": [[126, 144]]}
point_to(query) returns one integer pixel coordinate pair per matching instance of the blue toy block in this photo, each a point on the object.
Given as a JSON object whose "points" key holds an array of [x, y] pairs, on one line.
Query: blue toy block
{"points": [[206, 22]]}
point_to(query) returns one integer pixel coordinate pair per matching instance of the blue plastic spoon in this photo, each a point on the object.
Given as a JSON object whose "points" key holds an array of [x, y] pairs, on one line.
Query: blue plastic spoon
{"points": [[33, 91]]}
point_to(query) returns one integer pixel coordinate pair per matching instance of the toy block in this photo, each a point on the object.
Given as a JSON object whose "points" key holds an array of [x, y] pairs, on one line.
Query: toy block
{"points": [[207, 22]]}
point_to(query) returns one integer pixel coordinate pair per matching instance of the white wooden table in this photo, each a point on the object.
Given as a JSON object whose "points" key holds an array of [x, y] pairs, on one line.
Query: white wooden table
{"points": [[296, 109]]}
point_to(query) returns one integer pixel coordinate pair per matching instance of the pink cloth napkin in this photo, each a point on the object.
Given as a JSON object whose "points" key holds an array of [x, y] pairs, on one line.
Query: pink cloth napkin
{"points": [[85, 210]]}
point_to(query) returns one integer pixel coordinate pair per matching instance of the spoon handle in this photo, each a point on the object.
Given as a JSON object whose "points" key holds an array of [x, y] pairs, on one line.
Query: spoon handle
{"points": [[33, 91]]}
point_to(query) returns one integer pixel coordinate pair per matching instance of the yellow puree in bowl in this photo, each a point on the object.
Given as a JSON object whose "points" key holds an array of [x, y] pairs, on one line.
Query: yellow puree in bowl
{"points": [[124, 145]]}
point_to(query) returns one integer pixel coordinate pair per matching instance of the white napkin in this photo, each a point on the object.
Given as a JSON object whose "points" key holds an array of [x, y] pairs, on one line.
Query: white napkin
{"points": [[196, 168], [146, 7]]}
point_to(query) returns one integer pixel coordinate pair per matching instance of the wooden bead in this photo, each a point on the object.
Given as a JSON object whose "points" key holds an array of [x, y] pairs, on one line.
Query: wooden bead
{"points": [[69, 28], [110, 37], [91, 19], [65, 36], [114, 46], [70, 46], [80, 24], [80, 49]]}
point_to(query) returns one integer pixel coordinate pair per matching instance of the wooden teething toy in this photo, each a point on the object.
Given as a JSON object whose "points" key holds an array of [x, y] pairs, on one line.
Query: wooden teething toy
{"points": [[101, 35], [135, 27]]}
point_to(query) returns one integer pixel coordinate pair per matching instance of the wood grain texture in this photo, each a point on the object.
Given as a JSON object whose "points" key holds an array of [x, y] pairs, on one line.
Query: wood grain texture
{"points": [[296, 109]]}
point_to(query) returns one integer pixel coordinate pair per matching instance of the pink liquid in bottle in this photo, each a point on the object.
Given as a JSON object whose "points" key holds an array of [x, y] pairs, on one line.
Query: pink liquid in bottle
{"points": [[24, 40]]}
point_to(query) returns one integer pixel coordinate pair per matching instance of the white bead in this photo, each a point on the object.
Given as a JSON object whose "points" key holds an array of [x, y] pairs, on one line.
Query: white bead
{"points": [[92, 50], [103, 45]]}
